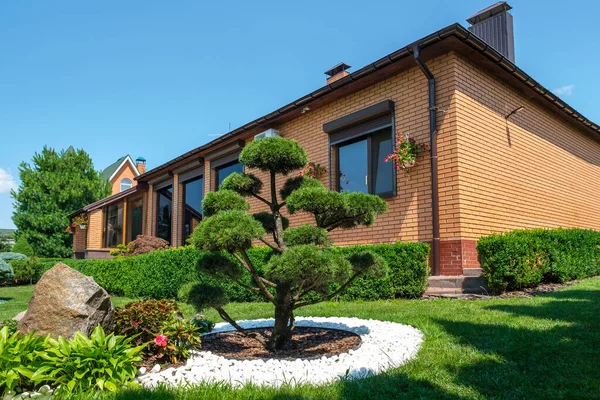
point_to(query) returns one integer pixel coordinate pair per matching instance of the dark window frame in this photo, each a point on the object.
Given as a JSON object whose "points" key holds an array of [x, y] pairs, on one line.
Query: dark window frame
{"points": [[368, 136], [221, 166], [130, 209], [157, 210], [183, 202], [118, 205]]}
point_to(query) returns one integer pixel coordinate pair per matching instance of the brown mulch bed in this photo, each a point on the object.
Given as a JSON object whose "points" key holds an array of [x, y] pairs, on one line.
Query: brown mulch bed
{"points": [[305, 343], [539, 289], [151, 361]]}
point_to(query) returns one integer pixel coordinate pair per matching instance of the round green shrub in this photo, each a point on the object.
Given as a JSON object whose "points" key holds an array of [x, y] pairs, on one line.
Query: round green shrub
{"points": [[306, 234], [10, 256], [244, 184], [23, 247], [275, 154], [223, 200], [228, 230], [6, 272]]}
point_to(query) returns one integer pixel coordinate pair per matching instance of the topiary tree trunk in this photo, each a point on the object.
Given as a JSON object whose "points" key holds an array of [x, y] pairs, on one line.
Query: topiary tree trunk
{"points": [[303, 265]]}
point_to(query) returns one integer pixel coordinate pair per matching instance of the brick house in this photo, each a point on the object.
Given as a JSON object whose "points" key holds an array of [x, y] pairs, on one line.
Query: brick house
{"points": [[122, 173], [506, 153]]}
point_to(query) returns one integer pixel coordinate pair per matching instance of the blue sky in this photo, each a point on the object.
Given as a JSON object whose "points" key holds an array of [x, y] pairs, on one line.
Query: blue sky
{"points": [[158, 78]]}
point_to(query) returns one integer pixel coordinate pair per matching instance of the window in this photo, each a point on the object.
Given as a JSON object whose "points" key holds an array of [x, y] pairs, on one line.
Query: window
{"points": [[225, 170], [193, 193], [125, 184], [361, 167], [113, 227], [164, 212], [359, 143], [136, 216]]}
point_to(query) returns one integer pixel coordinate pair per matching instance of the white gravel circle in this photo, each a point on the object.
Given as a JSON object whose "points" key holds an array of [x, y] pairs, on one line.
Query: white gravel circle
{"points": [[384, 345]]}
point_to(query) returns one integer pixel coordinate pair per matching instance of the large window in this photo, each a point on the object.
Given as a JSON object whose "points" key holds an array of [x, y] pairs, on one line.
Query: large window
{"points": [[225, 170], [113, 228], [193, 192], [361, 167], [125, 184], [136, 215], [164, 211]]}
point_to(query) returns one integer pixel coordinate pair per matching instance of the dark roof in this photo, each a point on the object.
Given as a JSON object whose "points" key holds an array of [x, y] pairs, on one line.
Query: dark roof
{"points": [[110, 199], [460, 35], [337, 69], [112, 168], [489, 12]]}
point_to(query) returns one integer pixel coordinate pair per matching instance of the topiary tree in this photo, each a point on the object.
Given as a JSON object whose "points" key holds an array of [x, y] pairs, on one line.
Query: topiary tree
{"points": [[23, 247], [302, 266]]}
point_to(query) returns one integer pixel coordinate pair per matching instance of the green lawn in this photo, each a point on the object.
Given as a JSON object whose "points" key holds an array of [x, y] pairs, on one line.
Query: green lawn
{"points": [[546, 347]]}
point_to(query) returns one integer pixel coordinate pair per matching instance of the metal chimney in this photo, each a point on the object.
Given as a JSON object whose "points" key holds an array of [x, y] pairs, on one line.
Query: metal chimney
{"points": [[495, 26]]}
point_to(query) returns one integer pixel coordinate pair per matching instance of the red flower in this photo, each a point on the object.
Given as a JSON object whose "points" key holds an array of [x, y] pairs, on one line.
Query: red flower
{"points": [[160, 340]]}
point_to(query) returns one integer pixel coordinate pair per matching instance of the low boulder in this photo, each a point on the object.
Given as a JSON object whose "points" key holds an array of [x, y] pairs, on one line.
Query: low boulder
{"points": [[65, 302]]}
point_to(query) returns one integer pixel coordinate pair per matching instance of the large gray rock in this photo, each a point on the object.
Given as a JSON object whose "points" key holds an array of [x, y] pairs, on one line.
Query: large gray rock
{"points": [[65, 302]]}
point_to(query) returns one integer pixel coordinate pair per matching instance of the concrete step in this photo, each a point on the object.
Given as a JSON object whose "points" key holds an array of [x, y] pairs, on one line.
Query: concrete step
{"points": [[456, 285], [441, 291], [472, 271]]}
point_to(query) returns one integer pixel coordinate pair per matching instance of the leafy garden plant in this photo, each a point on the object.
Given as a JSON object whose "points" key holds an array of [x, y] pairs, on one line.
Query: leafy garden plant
{"points": [[302, 265], [160, 324], [405, 154], [105, 362], [21, 359]]}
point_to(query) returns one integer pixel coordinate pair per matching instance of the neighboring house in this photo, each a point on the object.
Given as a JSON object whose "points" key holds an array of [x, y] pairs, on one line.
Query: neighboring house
{"points": [[122, 173], [490, 169]]}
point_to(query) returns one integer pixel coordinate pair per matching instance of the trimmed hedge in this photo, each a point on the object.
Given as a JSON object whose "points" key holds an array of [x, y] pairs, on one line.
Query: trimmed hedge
{"points": [[160, 274], [525, 258]]}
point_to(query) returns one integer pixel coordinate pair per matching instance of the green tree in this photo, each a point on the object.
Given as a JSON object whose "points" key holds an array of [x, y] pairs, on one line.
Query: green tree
{"points": [[23, 247], [54, 185], [303, 265]]}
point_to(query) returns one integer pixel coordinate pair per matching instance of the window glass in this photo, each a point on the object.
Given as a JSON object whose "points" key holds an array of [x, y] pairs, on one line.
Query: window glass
{"points": [[224, 171], [125, 184], [193, 193], [114, 225], [361, 165], [136, 215], [164, 213], [353, 167], [383, 172]]}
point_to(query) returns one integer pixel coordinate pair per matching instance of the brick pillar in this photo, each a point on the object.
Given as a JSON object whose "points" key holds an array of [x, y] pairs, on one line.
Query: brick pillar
{"points": [[456, 255]]}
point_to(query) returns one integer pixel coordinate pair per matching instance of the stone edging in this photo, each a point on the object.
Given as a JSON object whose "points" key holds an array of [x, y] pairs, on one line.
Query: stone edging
{"points": [[384, 345]]}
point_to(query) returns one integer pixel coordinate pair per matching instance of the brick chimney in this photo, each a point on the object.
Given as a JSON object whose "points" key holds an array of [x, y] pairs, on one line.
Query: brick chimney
{"points": [[337, 72], [140, 164]]}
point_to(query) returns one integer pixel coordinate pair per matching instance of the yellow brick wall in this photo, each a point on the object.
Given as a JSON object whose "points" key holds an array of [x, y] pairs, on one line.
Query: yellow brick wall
{"points": [[536, 170], [409, 213], [95, 230]]}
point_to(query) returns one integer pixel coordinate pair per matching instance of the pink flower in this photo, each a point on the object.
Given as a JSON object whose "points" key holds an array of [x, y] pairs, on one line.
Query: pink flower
{"points": [[160, 340]]}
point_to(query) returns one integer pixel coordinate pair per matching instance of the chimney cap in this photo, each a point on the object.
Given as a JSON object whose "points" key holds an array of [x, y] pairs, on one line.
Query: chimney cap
{"points": [[337, 69], [488, 12], [140, 160]]}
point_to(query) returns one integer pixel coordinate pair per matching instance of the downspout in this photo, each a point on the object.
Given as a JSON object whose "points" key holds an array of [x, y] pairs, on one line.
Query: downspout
{"points": [[435, 207]]}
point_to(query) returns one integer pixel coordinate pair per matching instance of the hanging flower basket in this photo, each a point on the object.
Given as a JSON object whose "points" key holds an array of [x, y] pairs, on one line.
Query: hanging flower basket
{"points": [[404, 155], [80, 221], [313, 170]]}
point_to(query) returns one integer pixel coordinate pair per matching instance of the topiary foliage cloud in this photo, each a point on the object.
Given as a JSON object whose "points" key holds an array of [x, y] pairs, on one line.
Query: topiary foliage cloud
{"points": [[303, 266]]}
